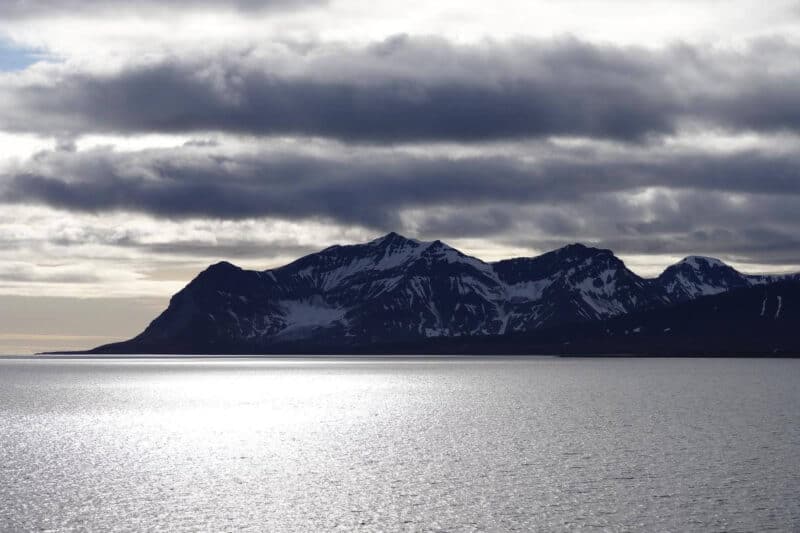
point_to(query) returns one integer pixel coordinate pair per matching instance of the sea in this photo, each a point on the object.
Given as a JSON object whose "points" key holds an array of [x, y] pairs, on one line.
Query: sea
{"points": [[412, 444]]}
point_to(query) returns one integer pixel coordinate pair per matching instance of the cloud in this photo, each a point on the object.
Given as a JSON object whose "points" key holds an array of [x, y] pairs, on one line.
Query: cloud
{"points": [[408, 89], [529, 143], [49, 8], [640, 201], [238, 248], [365, 188], [397, 90], [24, 272], [192, 181], [54, 252], [405, 89], [743, 228]]}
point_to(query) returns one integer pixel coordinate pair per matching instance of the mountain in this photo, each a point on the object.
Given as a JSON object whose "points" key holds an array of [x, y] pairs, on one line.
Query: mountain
{"points": [[395, 290], [572, 284], [697, 276], [752, 321], [758, 320]]}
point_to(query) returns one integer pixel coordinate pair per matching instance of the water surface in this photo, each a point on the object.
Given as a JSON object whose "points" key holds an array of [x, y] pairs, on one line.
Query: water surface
{"points": [[448, 444]]}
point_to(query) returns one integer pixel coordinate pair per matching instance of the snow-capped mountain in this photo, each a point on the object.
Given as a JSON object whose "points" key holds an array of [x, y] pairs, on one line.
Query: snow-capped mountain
{"points": [[571, 284], [697, 276], [757, 321], [395, 289]]}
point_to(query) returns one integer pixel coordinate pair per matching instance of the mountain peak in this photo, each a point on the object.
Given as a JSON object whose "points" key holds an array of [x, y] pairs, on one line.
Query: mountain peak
{"points": [[579, 246], [581, 250], [392, 238], [218, 273], [222, 266], [697, 275], [698, 262]]}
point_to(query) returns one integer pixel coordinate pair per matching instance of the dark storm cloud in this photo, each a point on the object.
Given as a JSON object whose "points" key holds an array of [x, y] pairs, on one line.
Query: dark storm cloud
{"points": [[400, 90], [372, 187], [45, 8], [393, 94], [740, 206], [755, 228], [368, 190], [413, 89], [473, 223], [761, 245], [772, 104]]}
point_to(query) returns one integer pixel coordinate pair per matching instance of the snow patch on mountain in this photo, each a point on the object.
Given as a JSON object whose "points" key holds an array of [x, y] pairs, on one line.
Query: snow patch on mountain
{"points": [[302, 315], [445, 253], [528, 290], [693, 288]]}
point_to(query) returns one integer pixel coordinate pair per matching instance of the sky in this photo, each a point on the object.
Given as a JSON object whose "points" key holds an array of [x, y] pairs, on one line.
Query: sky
{"points": [[140, 142]]}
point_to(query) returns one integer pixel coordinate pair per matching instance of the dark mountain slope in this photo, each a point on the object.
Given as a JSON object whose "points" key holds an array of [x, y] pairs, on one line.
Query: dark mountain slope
{"points": [[753, 321], [394, 291]]}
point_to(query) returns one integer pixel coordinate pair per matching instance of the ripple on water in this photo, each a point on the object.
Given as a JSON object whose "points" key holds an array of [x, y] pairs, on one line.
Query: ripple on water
{"points": [[451, 445]]}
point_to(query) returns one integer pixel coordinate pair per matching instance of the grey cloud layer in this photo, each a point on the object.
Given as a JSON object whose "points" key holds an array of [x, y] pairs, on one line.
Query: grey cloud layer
{"points": [[731, 203], [638, 196], [188, 181], [416, 90]]}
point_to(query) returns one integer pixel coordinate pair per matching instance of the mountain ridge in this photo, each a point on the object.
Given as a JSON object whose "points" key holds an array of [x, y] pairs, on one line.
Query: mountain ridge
{"points": [[399, 290]]}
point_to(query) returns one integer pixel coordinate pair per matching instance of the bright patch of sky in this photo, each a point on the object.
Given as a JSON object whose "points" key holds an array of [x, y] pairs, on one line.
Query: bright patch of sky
{"points": [[15, 58]]}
